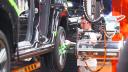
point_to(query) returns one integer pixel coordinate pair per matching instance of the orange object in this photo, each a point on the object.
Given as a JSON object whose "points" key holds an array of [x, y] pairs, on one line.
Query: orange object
{"points": [[117, 37], [114, 65], [28, 68], [124, 28], [120, 7], [63, 13]]}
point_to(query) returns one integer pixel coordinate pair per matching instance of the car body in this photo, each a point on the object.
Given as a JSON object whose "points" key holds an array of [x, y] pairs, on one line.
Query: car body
{"points": [[32, 28]]}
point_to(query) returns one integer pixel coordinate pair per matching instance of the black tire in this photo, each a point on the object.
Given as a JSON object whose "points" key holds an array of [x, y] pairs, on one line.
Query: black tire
{"points": [[61, 31], [5, 53], [97, 8], [51, 60]]}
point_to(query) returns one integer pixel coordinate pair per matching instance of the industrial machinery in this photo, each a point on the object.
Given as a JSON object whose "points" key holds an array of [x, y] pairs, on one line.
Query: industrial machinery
{"points": [[103, 28], [89, 54], [91, 10]]}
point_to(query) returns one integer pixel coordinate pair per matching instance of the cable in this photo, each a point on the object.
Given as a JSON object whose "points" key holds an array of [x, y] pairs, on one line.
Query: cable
{"points": [[104, 62], [105, 51]]}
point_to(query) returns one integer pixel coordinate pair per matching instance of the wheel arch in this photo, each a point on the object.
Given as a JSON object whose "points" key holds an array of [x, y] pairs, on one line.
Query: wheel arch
{"points": [[64, 23], [7, 27]]}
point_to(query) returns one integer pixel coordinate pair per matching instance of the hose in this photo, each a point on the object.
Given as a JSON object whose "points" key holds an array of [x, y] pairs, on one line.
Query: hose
{"points": [[104, 62]]}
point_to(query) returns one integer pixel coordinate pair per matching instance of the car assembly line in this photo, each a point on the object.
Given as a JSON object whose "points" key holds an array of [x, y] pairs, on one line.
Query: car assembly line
{"points": [[37, 35]]}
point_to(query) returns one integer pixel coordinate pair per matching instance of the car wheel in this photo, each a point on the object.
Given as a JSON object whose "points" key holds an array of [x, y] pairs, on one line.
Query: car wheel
{"points": [[60, 49], [4, 53], [55, 60]]}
